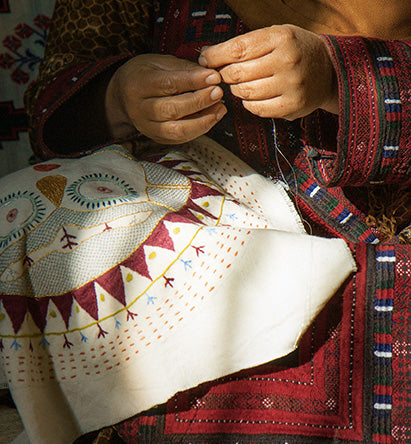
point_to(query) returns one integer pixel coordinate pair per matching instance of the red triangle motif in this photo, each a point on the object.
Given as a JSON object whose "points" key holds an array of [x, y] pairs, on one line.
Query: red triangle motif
{"points": [[160, 238], [170, 163], [112, 282], [38, 309], [87, 299], [64, 303], [184, 216], [137, 262], [16, 309], [199, 189], [188, 173], [193, 206]]}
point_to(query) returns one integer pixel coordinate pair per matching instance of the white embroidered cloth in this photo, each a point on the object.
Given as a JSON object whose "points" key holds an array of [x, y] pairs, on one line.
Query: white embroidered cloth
{"points": [[123, 282]]}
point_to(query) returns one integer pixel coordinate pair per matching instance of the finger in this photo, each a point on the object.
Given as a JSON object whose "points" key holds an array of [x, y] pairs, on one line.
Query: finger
{"points": [[166, 63], [261, 89], [277, 107], [189, 128], [254, 69], [289, 83], [163, 109], [259, 68], [161, 83], [241, 48]]}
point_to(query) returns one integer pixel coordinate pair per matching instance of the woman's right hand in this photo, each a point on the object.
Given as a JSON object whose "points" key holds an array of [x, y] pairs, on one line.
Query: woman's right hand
{"points": [[168, 99]]}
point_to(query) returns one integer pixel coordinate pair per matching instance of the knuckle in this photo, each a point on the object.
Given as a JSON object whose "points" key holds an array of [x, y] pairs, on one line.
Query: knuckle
{"points": [[233, 74], [168, 110], [243, 91], [167, 85], [285, 34], [175, 131], [198, 101], [239, 49], [292, 56], [207, 123]]}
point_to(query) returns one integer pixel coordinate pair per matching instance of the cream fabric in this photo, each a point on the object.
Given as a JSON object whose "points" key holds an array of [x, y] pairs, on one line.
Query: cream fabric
{"points": [[159, 303]]}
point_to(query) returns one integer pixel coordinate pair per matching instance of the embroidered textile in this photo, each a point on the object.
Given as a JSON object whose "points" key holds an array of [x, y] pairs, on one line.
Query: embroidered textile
{"points": [[23, 31], [345, 383], [124, 282], [357, 346]]}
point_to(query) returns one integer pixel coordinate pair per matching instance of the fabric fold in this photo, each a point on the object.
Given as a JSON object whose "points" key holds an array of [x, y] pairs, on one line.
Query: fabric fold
{"points": [[151, 277]]}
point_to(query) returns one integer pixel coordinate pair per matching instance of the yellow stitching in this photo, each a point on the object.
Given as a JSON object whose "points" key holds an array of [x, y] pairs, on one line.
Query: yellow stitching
{"points": [[70, 251], [129, 305]]}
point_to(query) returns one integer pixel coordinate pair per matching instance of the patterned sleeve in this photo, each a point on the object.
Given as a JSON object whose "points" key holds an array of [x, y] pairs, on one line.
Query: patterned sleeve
{"points": [[88, 39], [373, 144]]}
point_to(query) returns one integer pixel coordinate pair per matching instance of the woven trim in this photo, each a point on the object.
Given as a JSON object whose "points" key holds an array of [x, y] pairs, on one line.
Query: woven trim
{"points": [[332, 211], [385, 260], [371, 114]]}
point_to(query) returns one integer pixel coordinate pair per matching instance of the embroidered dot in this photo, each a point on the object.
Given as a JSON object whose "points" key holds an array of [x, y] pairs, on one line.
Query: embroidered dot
{"points": [[104, 190], [11, 215], [2, 317], [152, 255], [53, 314], [129, 277], [44, 167], [102, 297], [176, 230]]}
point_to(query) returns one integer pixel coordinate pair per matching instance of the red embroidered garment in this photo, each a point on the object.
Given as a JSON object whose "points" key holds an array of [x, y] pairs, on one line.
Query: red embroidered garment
{"points": [[347, 381], [337, 387]]}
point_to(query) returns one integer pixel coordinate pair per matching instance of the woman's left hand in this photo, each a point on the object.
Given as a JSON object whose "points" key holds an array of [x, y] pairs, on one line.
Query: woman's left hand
{"points": [[281, 71]]}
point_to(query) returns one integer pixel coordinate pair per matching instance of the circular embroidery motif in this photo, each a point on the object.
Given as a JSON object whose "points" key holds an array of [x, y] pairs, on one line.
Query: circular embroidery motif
{"points": [[99, 190], [19, 213]]}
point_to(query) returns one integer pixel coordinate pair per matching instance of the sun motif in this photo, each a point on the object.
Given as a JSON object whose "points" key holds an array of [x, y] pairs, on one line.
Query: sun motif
{"points": [[19, 212], [161, 199], [100, 190]]}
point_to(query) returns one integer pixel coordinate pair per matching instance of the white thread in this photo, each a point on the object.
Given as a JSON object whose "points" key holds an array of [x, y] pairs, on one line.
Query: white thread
{"points": [[293, 192]]}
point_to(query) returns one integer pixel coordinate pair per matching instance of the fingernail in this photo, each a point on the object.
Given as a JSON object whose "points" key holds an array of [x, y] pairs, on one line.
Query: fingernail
{"points": [[212, 79], [221, 113], [216, 93], [202, 61]]}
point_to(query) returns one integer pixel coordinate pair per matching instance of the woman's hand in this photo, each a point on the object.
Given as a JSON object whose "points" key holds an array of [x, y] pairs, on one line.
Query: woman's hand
{"points": [[168, 99], [281, 71]]}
